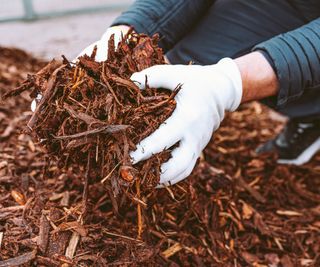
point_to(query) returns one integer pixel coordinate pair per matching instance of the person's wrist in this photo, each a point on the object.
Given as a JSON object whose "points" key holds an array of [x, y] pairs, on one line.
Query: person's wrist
{"points": [[259, 79], [232, 85]]}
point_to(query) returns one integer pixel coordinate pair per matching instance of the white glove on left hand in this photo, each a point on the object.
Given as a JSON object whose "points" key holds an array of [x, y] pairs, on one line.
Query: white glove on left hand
{"points": [[207, 92], [102, 44]]}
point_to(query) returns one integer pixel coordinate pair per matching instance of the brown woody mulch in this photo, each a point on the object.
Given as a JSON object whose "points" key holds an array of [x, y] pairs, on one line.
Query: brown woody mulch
{"points": [[235, 209]]}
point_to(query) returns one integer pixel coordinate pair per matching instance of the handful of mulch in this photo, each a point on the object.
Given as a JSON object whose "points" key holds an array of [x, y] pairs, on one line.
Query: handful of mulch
{"points": [[92, 115]]}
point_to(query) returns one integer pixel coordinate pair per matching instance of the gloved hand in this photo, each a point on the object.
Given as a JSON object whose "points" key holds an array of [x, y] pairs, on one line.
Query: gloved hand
{"points": [[102, 50], [207, 92], [102, 44]]}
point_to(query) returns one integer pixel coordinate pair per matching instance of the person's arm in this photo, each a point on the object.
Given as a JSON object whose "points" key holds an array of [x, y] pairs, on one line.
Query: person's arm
{"points": [[295, 58], [259, 80], [172, 19], [284, 66]]}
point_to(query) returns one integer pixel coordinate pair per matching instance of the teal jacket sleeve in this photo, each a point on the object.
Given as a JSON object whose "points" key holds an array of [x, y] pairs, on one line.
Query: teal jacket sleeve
{"points": [[295, 57], [172, 19]]}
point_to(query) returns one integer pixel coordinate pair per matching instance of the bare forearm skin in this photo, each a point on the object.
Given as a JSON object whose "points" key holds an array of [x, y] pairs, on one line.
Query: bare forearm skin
{"points": [[258, 77]]}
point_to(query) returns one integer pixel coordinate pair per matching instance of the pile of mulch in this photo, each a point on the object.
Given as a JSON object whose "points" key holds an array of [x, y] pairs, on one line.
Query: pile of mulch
{"points": [[92, 115], [235, 209]]}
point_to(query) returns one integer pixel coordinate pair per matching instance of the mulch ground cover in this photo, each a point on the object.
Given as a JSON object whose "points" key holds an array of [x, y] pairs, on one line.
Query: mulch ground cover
{"points": [[236, 209]]}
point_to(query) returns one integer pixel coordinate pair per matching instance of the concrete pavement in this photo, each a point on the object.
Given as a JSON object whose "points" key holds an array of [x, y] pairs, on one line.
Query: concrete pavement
{"points": [[50, 38]]}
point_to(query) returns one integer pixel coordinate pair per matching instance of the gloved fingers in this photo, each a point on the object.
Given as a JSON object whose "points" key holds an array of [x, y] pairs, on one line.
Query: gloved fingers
{"points": [[160, 76], [185, 173], [117, 38], [119, 32], [102, 53], [169, 133], [87, 51], [180, 161]]}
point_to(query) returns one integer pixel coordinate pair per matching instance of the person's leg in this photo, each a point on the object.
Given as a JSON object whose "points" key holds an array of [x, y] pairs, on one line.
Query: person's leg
{"points": [[230, 29]]}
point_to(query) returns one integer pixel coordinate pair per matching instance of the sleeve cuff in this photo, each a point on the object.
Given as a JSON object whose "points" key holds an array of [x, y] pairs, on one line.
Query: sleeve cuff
{"points": [[283, 62], [128, 19], [296, 60]]}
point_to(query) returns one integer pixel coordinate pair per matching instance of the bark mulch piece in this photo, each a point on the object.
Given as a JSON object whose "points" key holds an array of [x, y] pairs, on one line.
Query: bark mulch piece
{"points": [[236, 209]]}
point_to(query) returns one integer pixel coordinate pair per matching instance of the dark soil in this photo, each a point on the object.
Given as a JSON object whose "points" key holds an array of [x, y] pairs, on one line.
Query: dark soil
{"points": [[236, 209]]}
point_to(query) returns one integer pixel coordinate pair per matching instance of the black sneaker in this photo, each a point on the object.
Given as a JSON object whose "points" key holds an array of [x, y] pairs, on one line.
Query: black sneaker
{"points": [[296, 144]]}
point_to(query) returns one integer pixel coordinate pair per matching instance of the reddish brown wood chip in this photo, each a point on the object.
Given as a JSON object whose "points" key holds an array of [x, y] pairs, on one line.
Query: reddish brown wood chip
{"points": [[17, 261]]}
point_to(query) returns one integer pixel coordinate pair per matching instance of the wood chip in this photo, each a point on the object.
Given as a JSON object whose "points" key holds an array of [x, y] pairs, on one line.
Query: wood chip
{"points": [[251, 190], [18, 197], [12, 209], [17, 261], [75, 226], [289, 213], [71, 249], [1, 238], [44, 230], [172, 250]]}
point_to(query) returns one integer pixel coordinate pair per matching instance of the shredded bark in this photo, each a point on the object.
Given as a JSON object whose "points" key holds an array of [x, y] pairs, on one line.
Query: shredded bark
{"points": [[19, 260], [236, 209], [93, 108]]}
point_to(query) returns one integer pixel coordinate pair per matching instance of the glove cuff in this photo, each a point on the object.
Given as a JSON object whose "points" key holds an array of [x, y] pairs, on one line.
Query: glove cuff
{"points": [[231, 70]]}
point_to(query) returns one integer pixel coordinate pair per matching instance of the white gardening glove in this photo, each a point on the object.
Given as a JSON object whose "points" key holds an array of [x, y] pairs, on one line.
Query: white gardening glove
{"points": [[102, 50], [207, 92], [102, 44]]}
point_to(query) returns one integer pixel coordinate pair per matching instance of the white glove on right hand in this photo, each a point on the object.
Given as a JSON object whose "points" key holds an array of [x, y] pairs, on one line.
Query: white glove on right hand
{"points": [[207, 92]]}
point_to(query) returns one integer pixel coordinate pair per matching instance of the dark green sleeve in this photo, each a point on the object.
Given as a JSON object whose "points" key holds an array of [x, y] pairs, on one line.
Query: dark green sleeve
{"points": [[172, 19], [295, 56]]}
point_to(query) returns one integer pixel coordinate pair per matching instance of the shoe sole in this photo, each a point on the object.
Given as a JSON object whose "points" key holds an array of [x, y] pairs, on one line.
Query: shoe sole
{"points": [[305, 156]]}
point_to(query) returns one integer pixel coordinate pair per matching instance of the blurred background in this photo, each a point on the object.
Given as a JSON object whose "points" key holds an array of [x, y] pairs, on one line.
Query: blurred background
{"points": [[49, 28]]}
